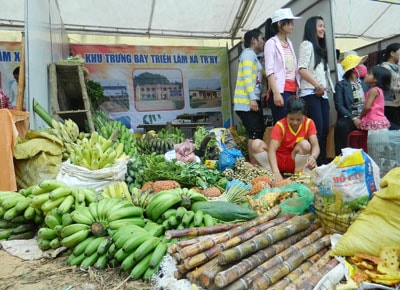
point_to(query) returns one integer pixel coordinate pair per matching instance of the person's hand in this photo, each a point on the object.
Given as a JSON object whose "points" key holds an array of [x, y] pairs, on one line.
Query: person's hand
{"points": [[278, 100], [319, 91], [357, 122], [254, 106], [311, 162], [278, 177]]}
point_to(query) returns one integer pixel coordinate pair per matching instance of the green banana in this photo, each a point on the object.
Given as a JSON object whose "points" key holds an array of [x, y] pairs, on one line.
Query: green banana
{"points": [[114, 225], [51, 184], [74, 239], [72, 229], [76, 260], [141, 267], [49, 204], [46, 233], [80, 248], [126, 212], [158, 254], [66, 204], [133, 242], [92, 247], [146, 247], [104, 245], [82, 215], [59, 192], [101, 262]]}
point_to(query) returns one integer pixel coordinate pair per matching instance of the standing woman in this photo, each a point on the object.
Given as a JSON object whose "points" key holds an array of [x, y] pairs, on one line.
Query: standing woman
{"points": [[392, 98], [280, 61], [246, 101], [315, 78]]}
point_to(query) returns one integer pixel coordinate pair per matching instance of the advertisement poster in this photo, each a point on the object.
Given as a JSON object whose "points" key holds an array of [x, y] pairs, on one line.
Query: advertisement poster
{"points": [[10, 57], [155, 85]]}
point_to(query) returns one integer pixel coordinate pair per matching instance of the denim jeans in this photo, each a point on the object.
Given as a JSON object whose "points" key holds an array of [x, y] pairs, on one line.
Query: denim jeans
{"points": [[318, 111]]}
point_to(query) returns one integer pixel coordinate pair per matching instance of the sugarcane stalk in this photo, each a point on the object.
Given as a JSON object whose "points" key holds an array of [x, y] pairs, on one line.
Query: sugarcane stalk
{"points": [[311, 234], [205, 256], [38, 109], [194, 275], [275, 273], [253, 232], [179, 245], [207, 278], [263, 240], [314, 268], [289, 278], [200, 231], [213, 241], [310, 283]]}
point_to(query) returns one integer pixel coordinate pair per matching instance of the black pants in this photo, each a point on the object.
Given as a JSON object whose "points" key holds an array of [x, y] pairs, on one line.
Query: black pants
{"points": [[342, 128]]}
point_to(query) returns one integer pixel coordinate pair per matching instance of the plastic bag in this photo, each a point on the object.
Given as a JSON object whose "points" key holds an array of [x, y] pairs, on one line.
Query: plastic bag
{"points": [[77, 176], [227, 158], [185, 151], [345, 186], [378, 225], [295, 205]]}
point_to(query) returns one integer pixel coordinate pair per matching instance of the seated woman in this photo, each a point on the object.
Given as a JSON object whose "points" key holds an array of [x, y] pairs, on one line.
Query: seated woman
{"points": [[294, 143], [349, 100]]}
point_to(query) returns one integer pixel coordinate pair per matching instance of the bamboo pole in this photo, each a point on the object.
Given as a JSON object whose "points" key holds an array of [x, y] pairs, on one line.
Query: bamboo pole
{"points": [[263, 240], [21, 79], [209, 243], [205, 256], [274, 274], [235, 272]]}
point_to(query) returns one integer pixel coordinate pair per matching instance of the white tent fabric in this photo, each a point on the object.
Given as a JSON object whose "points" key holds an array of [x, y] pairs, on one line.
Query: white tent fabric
{"points": [[207, 19]]}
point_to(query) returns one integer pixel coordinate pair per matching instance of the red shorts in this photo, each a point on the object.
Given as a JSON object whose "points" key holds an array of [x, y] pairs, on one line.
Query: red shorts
{"points": [[285, 162]]}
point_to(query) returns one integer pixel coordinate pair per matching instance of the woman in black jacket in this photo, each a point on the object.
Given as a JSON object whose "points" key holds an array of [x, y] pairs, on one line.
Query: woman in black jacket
{"points": [[349, 101]]}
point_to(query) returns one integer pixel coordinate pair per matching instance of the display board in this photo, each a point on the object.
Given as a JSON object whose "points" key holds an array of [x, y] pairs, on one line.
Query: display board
{"points": [[151, 85]]}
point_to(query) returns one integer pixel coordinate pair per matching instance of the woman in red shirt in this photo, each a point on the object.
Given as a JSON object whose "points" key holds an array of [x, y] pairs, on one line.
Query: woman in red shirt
{"points": [[294, 143]]}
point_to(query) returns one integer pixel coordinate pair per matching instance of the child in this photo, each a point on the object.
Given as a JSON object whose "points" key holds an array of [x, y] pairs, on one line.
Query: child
{"points": [[294, 143], [372, 115]]}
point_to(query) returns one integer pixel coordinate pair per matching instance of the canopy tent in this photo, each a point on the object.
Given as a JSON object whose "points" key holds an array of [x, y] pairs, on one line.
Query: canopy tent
{"points": [[215, 22]]}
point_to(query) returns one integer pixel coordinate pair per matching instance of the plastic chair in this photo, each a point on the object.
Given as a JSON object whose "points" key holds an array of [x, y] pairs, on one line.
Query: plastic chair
{"points": [[358, 139]]}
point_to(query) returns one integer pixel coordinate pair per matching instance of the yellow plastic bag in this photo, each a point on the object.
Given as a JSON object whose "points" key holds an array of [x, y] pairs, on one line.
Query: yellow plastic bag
{"points": [[378, 225]]}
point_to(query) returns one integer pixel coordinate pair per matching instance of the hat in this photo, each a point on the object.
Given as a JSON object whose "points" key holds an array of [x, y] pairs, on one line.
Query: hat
{"points": [[351, 61], [284, 13], [361, 70]]}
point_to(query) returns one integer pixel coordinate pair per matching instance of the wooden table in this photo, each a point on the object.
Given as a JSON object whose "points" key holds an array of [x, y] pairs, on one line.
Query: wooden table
{"points": [[193, 117]]}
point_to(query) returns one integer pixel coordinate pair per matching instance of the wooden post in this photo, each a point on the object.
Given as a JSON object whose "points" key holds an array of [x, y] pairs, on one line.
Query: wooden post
{"points": [[21, 78]]}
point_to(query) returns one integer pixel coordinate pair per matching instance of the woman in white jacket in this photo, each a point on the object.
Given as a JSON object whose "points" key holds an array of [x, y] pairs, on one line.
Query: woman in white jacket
{"points": [[315, 78]]}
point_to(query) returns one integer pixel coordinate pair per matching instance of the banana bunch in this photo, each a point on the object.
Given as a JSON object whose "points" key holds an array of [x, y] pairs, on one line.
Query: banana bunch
{"points": [[117, 131], [68, 133], [181, 218], [134, 172], [51, 193], [117, 189], [49, 235], [171, 198], [16, 207], [140, 250], [17, 230], [87, 234], [153, 144], [140, 197], [96, 152], [99, 217]]}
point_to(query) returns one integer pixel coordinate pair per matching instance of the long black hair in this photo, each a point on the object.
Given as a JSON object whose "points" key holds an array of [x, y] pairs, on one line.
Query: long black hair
{"points": [[383, 77], [319, 44], [393, 47]]}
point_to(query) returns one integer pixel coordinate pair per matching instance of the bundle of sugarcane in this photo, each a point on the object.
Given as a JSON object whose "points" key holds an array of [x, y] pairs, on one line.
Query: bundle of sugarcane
{"points": [[282, 284], [252, 251], [242, 274], [268, 275]]}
